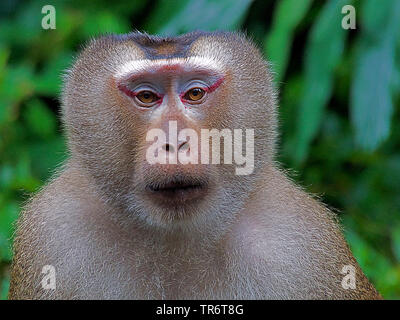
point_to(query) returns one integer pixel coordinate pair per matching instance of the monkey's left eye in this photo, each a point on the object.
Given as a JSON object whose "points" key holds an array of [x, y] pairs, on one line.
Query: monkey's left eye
{"points": [[195, 94], [147, 97]]}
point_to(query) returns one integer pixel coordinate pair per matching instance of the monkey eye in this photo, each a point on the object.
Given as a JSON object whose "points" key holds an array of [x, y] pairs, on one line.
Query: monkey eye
{"points": [[195, 94], [147, 97]]}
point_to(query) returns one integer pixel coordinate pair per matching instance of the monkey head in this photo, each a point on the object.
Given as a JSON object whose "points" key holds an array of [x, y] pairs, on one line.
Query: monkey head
{"points": [[132, 99]]}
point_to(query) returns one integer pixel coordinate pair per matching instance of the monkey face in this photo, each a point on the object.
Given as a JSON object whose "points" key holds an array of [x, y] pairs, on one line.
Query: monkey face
{"points": [[143, 115], [172, 101]]}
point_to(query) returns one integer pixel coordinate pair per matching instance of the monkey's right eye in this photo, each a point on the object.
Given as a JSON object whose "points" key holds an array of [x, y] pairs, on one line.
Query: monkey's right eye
{"points": [[147, 97]]}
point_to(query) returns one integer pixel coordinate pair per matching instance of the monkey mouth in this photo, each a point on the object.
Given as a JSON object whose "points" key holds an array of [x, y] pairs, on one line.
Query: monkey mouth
{"points": [[174, 187], [177, 190]]}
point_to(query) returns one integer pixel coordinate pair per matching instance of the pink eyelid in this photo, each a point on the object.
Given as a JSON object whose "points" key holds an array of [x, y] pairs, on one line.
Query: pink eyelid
{"points": [[133, 94], [209, 89], [160, 97]]}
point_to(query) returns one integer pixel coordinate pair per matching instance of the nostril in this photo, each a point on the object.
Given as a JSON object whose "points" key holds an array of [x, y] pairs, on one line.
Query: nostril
{"points": [[184, 146], [181, 147], [168, 148]]}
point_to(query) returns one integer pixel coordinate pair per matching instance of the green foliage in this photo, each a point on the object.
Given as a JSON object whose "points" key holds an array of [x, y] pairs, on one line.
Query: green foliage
{"points": [[288, 15], [323, 54], [372, 106], [339, 102], [4, 287], [187, 15]]}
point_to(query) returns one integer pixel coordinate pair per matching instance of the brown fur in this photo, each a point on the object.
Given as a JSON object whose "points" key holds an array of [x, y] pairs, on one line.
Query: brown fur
{"points": [[251, 237]]}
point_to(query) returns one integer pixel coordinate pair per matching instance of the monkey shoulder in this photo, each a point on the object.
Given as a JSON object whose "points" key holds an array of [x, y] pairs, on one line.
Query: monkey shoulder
{"points": [[293, 242], [51, 231]]}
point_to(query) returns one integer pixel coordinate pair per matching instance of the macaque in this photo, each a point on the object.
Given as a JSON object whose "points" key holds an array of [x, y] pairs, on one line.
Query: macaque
{"points": [[172, 189]]}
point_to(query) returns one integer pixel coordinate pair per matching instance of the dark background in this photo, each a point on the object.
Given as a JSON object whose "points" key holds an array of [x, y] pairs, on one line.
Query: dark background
{"points": [[339, 102]]}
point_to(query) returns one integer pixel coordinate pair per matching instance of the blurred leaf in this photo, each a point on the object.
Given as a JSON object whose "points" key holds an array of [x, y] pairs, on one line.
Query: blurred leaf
{"points": [[50, 80], [16, 83], [288, 15], [101, 22], [371, 106], [8, 215], [5, 113], [26, 26], [4, 286], [23, 178], [323, 53], [6, 176], [374, 18], [69, 23], [371, 98], [4, 54], [189, 15], [396, 243], [46, 156], [40, 119]]}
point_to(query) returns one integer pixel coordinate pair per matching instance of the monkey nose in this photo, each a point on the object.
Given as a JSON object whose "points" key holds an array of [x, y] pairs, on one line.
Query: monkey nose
{"points": [[182, 146]]}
